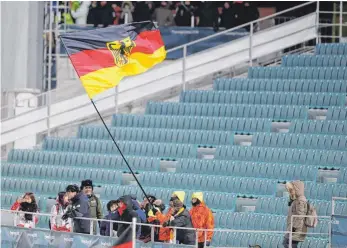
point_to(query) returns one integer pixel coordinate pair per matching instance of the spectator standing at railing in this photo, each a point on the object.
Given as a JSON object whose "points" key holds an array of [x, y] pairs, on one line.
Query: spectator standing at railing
{"points": [[142, 11], [81, 13], [207, 15], [184, 14], [78, 207], [163, 15], [56, 222], [127, 12], [112, 215], [181, 218], [158, 217], [26, 203], [126, 213], [297, 206], [95, 206], [202, 218]]}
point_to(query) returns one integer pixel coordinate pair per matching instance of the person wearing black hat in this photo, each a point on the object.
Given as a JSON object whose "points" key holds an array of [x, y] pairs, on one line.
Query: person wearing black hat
{"points": [[79, 207], [94, 202], [126, 214]]}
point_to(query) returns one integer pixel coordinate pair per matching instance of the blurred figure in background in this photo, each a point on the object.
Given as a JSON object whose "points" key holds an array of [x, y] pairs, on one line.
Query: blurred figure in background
{"points": [[81, 13], [202, 218], [56, 222], [207, 15], [112, 215], [127, 12], [163, 15], [26, 203], [142, 11], [184, 13], [95, 206]]}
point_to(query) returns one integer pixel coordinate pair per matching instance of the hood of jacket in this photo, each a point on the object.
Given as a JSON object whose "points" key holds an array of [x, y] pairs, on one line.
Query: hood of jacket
{"points": [[299, 188], [80, 197], [136, 205], [128, 201]]}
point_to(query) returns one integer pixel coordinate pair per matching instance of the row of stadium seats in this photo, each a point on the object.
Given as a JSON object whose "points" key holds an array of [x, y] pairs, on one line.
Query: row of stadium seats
{"points": [[331, 49], [327, 73], [280, 85], [282, 155], [127, 147], [244, 239], [279, 206], [106, 161], [315, 60], [262, 154], [313, 141], [226, 124], [264, 97], [57, 172], [261, 221], [285, 112]]}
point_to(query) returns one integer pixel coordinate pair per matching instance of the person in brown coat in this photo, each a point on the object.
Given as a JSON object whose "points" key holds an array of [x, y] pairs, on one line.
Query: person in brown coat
{"points": [[297, 206]]}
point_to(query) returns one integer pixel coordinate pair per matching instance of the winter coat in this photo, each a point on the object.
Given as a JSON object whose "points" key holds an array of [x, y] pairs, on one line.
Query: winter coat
{"points": [[127, 216], [127, 8], [183, 236], [142, 12], [105, 226], [297, 207], [164, 232], [56, 222], [202, 218], [25, 220], [141, 215], [183, 15], [80, 15], [80, 206], [95, 209], [163, 16]]}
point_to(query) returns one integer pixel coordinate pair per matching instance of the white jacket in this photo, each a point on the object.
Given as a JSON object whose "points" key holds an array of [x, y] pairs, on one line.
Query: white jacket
{"points": [[57, 223]]}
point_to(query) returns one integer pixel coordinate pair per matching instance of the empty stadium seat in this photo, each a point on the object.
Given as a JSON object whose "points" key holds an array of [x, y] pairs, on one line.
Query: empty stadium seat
{"points": [[282, 155], [192, 122], [306, 141], [315, 60], [337, 113], [272, 72], [225, 110], [319, 127], [280, 85], [132, 148], [157, 135], [263, 97], [247, 169], [331, 49], [325, 191]]}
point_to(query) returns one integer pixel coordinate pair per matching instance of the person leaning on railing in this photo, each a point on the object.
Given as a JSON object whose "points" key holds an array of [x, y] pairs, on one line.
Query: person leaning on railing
{"points": [[26, 203], [56, 222]]}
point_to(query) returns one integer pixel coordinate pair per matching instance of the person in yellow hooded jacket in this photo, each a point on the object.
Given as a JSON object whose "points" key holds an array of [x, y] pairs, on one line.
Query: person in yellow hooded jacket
{"points": [[202, 218]]}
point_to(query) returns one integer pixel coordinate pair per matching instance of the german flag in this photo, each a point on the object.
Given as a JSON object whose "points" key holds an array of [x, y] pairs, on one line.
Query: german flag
{"points": [[125, 240], [102, 57]]}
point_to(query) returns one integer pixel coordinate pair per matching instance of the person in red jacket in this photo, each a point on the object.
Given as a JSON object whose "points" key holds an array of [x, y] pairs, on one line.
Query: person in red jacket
{"points": [[57, 211], [26, 203], [202, 218]]}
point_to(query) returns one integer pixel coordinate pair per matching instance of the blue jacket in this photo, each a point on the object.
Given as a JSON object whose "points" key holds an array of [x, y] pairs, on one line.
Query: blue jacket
{"points": [[141, 215], [80, 207], [105, 226]]}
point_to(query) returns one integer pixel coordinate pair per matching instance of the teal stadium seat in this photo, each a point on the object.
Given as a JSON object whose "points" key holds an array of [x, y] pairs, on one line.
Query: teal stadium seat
{"points": [[331, 49], [314, 61], [329, 127]]}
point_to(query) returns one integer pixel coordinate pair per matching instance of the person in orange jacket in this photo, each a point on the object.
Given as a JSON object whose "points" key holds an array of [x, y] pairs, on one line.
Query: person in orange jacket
{"points": [[202, 218], [164, 232]]}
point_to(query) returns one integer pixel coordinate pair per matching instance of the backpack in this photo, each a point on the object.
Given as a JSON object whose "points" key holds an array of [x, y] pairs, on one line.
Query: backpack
{"points": [[312, 218]]}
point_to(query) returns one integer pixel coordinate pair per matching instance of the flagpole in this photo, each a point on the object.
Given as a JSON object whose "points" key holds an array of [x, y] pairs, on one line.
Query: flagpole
{"points": [[120, 152]]}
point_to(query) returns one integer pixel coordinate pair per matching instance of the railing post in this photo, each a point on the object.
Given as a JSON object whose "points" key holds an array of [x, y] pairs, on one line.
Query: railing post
{"points": [[184, 67], [134, 233], [340, 26], [111, 229], [152, 234], [251, 44], [126, 18], [317, 23], [49, 81], [291, 233], [197, 239], [192, 21]]}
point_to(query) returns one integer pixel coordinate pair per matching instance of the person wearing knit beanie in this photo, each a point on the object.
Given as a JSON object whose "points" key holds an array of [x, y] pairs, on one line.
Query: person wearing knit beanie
{"points": [[202, 218]]}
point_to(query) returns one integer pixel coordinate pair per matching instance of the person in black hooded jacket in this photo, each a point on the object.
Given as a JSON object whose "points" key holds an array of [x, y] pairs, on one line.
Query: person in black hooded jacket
{"points": [[127, 213]]}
